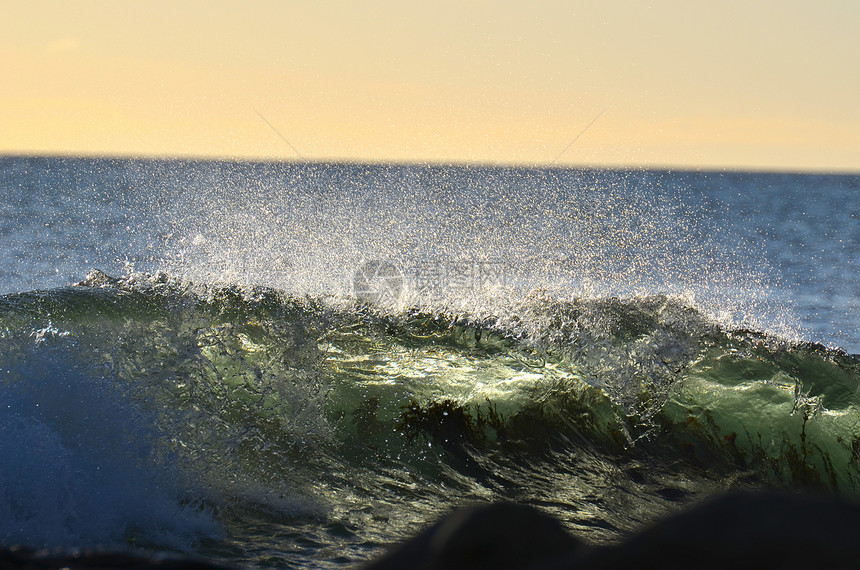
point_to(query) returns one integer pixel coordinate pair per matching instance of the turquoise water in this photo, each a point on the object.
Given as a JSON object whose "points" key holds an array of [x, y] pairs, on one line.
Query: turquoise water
{"points": [[284, 365]]}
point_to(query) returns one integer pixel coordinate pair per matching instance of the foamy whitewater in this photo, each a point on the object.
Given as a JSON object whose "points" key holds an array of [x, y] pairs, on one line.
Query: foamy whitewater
{"points": [[294, 365]]}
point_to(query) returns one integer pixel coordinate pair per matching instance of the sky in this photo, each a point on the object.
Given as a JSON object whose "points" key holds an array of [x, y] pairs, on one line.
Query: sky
{"points": [[689, 84]]}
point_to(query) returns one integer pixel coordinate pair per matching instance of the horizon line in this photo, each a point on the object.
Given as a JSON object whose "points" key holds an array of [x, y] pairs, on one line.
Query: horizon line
{"points": [[305, 160]]}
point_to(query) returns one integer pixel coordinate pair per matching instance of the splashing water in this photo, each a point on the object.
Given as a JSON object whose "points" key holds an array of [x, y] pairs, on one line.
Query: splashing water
{"points": [[297, 364]]}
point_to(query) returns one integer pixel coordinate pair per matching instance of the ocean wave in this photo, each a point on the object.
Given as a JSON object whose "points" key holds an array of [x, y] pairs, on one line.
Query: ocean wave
{"points": [[211, 400]]}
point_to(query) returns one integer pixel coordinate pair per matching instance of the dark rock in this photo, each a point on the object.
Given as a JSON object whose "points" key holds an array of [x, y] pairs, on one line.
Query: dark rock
{"points": [[501, 535], [763, 530]]}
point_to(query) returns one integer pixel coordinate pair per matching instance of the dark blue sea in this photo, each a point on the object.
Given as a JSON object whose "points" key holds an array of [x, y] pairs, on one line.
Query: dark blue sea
{"points": [[293, 365]]}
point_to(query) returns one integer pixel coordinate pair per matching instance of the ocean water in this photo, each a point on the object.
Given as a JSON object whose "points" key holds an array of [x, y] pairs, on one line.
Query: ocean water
{"points": [[293, 365]]}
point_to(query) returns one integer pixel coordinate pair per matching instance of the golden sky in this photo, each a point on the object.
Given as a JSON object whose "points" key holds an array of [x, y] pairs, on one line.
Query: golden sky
{"points": [[690, 83]]}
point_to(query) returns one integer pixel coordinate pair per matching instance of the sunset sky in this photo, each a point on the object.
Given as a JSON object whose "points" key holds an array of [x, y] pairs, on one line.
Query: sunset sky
{"points": [[687, 83]]}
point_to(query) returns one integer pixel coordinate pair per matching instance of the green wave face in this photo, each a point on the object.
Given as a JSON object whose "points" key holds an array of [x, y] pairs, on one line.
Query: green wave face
{"points": [[787, 412], [283, 411]]}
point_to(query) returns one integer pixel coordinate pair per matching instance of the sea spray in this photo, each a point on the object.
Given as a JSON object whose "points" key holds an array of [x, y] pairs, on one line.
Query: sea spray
{"points": [[297, 364]]}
